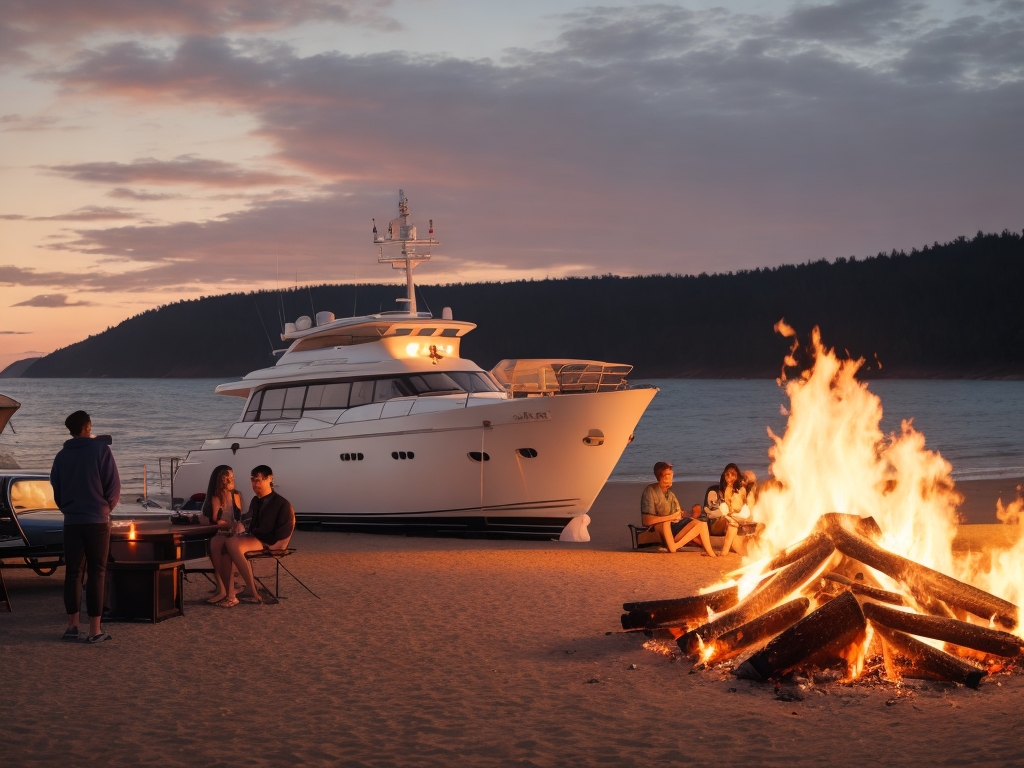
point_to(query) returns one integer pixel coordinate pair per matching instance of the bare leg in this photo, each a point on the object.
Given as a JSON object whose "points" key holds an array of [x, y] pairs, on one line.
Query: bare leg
{"points": [[692, 531], [236, 548], [730, 536], [218, 558], [665, 529]]}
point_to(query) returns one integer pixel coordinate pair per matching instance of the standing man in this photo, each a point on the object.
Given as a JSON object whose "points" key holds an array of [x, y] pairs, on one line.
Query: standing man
{"points": [[271, 523], [86, 487], [659, 508]]}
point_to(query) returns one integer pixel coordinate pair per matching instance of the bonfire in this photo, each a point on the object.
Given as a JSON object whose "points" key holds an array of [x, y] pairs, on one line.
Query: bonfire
{"points": [[855, 560]]}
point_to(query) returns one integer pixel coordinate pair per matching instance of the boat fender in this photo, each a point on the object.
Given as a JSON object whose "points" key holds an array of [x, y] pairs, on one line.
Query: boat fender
{"points": [[576, 530]]}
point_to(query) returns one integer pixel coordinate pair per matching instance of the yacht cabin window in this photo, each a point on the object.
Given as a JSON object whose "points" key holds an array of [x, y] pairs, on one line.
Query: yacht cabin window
{"points": [[291, 402]]}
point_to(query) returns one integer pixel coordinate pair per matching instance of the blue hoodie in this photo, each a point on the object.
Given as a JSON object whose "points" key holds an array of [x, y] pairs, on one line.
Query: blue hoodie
{"points": [[85, 482]]}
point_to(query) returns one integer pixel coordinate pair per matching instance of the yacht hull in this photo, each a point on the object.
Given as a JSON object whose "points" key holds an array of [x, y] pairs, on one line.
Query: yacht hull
{"points": [[504, 467]]}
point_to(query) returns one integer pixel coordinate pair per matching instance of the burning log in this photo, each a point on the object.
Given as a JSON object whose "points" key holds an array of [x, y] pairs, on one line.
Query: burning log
{"points": [[949, 630], [791, 554], [653, 614], [874, 593], [865, 526], [827, 630], [768, 625], [925, 580], [791, 579], [927, 660]]}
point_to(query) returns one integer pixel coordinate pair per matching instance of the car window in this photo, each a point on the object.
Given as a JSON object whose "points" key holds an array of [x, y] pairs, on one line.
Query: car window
{"points": [[29, 495]]}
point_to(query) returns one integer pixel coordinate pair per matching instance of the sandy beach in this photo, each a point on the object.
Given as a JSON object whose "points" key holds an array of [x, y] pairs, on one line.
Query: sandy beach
{"points": [[432, 651]]}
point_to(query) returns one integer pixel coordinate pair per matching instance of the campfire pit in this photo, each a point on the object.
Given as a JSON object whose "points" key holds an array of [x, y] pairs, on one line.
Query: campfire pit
{"points": [[877, 580], [846, 615]]}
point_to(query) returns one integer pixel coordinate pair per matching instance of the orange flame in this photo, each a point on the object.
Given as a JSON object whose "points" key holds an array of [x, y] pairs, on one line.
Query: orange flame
{"points": [[131, 531], [834, 457]]}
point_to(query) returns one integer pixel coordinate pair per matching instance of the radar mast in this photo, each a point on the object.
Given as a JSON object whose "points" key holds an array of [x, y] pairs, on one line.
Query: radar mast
{"points": [[401, 232]]}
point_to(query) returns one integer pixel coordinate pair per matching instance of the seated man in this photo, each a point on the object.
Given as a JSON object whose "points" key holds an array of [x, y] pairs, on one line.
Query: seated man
{"points": [[659, 508], [272, 521]]}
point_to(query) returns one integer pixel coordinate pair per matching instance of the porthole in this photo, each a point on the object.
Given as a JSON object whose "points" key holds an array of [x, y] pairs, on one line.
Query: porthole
{"points": [[477, 456], [412, 455], [527, 453], [394, 455], [359, 456]]}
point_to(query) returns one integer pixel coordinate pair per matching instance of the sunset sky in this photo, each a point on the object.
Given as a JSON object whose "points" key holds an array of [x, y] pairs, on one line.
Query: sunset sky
{"points": [[153, 150]]}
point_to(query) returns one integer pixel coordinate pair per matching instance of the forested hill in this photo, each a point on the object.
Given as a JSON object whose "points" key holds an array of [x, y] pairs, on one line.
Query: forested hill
{"points": [[951, 310]]}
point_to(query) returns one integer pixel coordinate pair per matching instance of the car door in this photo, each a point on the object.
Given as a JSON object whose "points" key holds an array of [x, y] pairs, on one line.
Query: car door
{"points": [[10, 532]]}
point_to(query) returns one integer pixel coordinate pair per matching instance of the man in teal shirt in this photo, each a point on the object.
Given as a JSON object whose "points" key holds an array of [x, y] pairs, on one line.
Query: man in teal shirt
{"points": [[659, 508]]}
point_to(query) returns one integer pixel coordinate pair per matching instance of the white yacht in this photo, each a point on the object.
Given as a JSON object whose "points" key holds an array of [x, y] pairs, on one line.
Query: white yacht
{"points": [[376, 423]]}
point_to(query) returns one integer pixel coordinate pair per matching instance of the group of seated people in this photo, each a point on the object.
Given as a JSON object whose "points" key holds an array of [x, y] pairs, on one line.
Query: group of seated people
{"points": [[725, 509], [268, 524]]}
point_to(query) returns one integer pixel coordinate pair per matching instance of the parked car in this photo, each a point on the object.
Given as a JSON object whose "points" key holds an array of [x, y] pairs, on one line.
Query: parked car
{"points": [[31, 525]]}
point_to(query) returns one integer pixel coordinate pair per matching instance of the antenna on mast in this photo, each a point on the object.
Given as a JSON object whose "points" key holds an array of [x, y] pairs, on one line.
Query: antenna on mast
{"points": [[401, 232]]}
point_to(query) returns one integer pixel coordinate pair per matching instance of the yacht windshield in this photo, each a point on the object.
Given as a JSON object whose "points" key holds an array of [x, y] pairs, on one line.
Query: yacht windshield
{"points": [[295, 400]]}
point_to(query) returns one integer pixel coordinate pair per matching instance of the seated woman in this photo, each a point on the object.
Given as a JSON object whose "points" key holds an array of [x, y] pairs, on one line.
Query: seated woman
{"points": [[659, 508], [726, 505], [223, 508]]}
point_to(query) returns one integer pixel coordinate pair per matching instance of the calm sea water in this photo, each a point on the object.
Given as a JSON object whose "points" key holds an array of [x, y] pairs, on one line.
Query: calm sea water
{"points": [[698, 425]]}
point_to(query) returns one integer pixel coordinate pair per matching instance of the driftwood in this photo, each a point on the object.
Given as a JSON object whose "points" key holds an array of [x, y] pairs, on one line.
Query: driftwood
{"points": [[929, 661], [653, 614], [874, 593], [827, 630], [924, 580], [790, 579], [948, 630], [753, 632]]}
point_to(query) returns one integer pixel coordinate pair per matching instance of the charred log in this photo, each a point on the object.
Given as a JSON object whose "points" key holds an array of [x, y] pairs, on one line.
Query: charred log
{"points": [[762, 628], [791, 579], [924, 580], [948, 630], [874, 593], [838, 578], [653, 614], [929, 661], [827, 630]]}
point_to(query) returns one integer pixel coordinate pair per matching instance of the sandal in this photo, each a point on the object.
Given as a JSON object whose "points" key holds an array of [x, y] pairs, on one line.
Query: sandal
{"points": [[228, 602], [214, 600]]}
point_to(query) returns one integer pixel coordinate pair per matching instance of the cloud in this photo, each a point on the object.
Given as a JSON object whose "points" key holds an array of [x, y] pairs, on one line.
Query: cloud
{"points": [[648, 139], [186, 169], [86, 213], [51, 301], [14, 122], [124, 193], [25, 24], [643, 139], [15, 333]]}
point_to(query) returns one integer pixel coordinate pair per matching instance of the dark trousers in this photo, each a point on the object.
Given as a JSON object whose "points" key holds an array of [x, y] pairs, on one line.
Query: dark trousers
{"points": [[86, 544]]}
